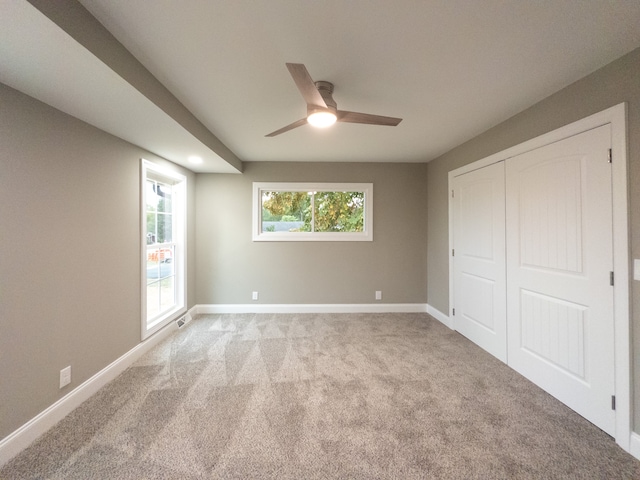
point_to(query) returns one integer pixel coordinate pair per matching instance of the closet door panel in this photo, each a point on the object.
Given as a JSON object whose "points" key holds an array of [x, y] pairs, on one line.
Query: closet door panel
{"points": [[559, 259], [479, 258]]}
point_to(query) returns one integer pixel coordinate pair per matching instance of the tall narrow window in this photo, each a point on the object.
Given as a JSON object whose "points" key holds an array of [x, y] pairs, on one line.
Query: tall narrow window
{"points": [[163, 272]]}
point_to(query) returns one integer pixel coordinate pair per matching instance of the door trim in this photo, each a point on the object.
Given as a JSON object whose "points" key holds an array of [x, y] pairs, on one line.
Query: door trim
{"points": [[615, 116]]}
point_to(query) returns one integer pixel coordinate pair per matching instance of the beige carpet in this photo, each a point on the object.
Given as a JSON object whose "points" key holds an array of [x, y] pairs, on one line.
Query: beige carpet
{"points": [[321, 396]]}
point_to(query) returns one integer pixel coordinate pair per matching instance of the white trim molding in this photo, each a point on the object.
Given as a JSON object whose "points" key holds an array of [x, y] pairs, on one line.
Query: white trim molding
{"points": [[314, 308], [634, 445], [441, 317], [24, 436]]}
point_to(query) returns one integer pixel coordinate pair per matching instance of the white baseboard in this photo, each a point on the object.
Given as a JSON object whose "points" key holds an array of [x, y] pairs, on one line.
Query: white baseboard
{"points": [[634, 445], [438, 315], [20, 439], [314, 308]]}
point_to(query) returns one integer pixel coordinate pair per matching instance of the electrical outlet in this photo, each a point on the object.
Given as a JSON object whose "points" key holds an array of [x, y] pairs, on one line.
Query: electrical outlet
{"points": [[254, 296], [378, 295], [65, 376]]}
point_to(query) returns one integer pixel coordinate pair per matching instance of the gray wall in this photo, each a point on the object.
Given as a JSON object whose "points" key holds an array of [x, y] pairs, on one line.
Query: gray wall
{"points": [[70, 261], [618, 82], [231, 266]]}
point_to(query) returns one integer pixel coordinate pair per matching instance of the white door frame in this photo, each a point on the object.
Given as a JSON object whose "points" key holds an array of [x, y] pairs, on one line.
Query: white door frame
{"points": [[617, 117]]}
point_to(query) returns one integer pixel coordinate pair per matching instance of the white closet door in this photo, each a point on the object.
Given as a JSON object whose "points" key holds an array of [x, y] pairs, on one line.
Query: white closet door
{"points": [[479, 258], [559, 259]]}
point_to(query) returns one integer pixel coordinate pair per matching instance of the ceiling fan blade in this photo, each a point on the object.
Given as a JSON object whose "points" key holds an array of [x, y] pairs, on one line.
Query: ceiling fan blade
{"points": [[355, 117], [305, 84], [295, 124]]}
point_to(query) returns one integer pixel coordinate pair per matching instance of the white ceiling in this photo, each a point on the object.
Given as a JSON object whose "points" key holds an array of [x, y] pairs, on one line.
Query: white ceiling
{"points": [[450, 68]]}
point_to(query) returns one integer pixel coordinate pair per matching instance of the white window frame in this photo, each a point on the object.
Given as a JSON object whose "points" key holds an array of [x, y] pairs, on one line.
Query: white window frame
{"points": [[179, 240], [259, 236]]}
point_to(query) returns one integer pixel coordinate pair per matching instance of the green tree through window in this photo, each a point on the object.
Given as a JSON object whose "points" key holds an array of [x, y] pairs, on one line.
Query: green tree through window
{"points": [[315, 211], [339, 212]]}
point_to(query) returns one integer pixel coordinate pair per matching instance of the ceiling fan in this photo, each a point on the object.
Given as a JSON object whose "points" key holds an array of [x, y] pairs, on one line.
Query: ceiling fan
{"points": [[322, 110]]}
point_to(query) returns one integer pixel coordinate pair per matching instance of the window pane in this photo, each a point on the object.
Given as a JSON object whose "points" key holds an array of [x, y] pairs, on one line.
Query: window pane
{"points": [[164, 228], [167, 293], [286, 211], [160, 263], [151, 199], [161, 289], [153, 265], [151, 228], [339, 212], [153, 299], [164, 197], [167, 267]]}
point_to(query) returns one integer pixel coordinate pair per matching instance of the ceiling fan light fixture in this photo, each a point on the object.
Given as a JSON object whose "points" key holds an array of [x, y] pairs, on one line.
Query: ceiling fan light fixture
{"points": [[322, 110], [322, 119]]}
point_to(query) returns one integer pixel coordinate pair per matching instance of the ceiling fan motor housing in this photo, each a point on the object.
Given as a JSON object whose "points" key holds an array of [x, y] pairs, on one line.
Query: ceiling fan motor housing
{"points": [[326, 90]]}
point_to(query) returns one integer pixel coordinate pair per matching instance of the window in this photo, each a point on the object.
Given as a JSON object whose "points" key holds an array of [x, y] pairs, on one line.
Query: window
{"points": [[312, 211], [163, 239]]}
